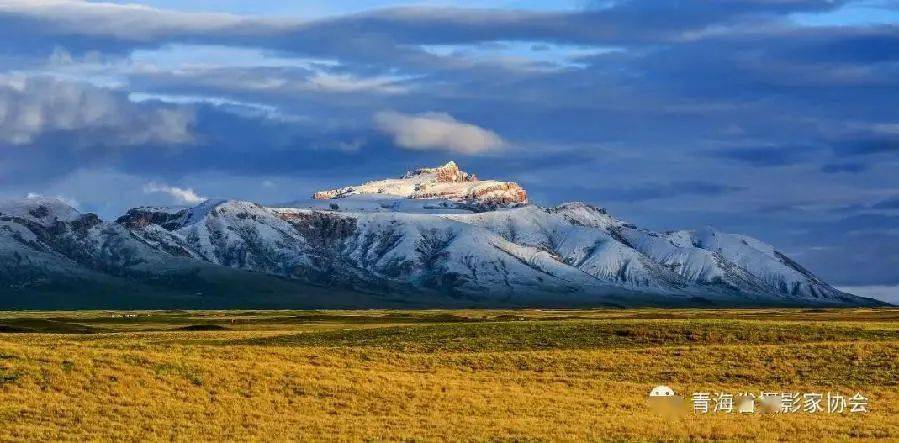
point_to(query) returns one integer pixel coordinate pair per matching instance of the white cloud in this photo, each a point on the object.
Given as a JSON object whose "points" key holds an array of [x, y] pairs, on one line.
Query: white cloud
{"points": [[33, 106], [180, 195], [67, 200], [248, 70], [350, 83], [889, 294], [248, 109], [436, 130], [130, 21]]}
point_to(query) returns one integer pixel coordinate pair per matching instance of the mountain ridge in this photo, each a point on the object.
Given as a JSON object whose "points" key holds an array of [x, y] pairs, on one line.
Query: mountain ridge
{"points": [[378, 249]]}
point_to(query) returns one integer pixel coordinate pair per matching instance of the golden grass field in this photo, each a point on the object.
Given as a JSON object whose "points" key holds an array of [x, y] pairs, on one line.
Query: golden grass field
{"points": [[436, 375]]}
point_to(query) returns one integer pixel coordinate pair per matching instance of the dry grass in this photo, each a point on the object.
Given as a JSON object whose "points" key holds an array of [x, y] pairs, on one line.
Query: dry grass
{"points": [[447, 375]]}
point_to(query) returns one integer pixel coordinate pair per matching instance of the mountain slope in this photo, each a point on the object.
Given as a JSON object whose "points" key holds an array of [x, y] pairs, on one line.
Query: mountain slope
{"points": [[52, 257], [704, 262], [572, 254]]}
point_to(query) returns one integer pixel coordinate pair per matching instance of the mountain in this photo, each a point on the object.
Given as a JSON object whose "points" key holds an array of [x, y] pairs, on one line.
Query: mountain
{"points": [[52, 257], [444, 182], [434, 237]]}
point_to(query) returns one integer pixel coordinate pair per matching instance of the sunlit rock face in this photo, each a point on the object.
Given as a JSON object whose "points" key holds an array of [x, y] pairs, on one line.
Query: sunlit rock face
{"points": [[446, 182]]}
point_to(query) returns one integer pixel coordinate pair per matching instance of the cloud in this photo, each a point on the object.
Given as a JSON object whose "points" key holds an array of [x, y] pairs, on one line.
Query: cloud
{"points": [[67, 200], [833, 168], [436, 130], [767, 156], [869, 146], [282, 82], [890, 203], [656, 191], [347, 83], [34, 106], [130, 22], [368, 35], [180, 195]]}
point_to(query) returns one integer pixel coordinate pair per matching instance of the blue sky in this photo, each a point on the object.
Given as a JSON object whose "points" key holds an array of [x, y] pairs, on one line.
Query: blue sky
{"points": [[777, 119]]}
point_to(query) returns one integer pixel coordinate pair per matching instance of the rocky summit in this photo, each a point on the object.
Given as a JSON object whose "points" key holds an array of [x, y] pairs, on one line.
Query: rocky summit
{"points": [[435, 237], [443, 182]]}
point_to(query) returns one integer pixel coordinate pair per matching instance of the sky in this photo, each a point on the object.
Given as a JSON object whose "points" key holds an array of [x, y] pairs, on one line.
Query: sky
{"points": [[773, 118]]}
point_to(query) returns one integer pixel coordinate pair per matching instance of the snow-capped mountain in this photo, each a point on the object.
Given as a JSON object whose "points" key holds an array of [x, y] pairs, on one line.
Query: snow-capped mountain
{"points": [[444, 182], [436, 237]]}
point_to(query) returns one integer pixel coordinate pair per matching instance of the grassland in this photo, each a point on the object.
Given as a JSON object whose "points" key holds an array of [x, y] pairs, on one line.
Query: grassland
{"points": [[436, 375]]}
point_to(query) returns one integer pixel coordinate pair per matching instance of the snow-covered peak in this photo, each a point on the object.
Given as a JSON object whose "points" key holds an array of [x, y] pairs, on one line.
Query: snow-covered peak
{"points": [[760, 259], [585, 214], [43, 210], [443, 182], [178, 217], [449, 173], [216, 207], [710, 238]]}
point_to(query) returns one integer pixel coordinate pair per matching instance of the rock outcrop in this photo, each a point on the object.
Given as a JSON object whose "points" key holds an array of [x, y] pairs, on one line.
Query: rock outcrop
{"points": [[446, 182]]}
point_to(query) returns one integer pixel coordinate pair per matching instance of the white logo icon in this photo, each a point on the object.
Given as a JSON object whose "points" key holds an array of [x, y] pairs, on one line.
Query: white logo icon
{"points": [[661, 391]]}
